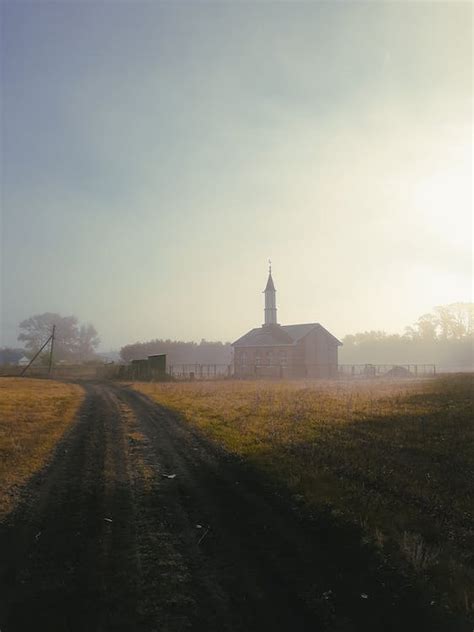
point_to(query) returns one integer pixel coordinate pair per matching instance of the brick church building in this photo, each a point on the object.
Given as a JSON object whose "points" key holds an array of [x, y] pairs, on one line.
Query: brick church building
{"points": [[273, 350]]}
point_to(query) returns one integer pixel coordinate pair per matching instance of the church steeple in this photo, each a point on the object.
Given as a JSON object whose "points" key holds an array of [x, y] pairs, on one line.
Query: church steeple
{"points": [[270, 299]]}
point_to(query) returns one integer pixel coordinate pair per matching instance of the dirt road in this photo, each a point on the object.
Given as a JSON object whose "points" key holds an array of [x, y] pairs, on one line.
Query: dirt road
{"points": [[140, 524]]}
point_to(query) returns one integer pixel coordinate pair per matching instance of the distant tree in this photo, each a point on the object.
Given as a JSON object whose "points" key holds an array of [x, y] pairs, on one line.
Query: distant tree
{"points": [[426, 326], [444, 337], [72, 342], [88, 340], [447, 322], [455, 321]]}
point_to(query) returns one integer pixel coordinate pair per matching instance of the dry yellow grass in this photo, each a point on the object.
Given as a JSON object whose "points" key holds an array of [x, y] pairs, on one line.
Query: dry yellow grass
{"points": [[34, 415], [395, 457]]}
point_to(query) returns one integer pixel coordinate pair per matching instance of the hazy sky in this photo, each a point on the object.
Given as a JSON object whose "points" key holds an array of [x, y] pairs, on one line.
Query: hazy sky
{"points": [[155, 155]]}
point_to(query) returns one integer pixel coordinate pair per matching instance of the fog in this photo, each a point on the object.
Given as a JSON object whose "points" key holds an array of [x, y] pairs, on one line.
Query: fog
{"points": [[154, 156]]}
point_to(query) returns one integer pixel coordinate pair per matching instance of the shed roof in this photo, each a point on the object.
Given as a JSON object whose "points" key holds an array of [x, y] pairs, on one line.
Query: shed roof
{"points": [[276, 335]]}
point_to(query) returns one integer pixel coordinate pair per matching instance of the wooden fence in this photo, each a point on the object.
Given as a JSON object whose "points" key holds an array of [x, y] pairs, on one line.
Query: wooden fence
{"points": [[148, 371], [200, 371]]}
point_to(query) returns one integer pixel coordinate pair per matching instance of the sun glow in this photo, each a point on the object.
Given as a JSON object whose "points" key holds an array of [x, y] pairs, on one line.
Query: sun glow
{"points": [[444, 203]]}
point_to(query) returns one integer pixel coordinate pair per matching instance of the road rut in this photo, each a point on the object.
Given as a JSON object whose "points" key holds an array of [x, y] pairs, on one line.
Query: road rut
{"points": [[139, 523]]}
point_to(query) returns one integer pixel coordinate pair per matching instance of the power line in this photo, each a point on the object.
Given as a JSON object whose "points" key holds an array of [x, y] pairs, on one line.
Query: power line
{"points": [[50, 339]]}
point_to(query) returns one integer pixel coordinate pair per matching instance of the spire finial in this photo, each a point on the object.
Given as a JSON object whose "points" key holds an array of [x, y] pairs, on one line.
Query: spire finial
{"points": [[269, 266]]}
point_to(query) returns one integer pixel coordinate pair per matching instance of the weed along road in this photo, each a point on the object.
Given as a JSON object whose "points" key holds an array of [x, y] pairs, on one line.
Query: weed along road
{"points": [[139, 523]]}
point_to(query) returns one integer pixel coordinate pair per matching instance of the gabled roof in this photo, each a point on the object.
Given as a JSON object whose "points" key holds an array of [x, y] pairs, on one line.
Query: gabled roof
{"points": [[266, 336], [299, 331], [275, 335]]}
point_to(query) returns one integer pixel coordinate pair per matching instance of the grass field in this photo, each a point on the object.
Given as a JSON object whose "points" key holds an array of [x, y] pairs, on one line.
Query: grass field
{"points": [[33, 416], [396, 458]]}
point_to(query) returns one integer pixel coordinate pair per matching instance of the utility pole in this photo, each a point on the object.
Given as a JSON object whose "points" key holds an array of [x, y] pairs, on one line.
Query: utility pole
{"points": [[51, 350], [50, 339]]}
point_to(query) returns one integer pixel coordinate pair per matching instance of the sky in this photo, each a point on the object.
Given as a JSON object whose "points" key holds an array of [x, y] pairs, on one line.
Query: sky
{"points": [[155, 155]]}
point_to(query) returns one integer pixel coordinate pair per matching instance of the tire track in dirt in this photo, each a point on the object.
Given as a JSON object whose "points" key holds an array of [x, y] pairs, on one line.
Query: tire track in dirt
{"points": [[105, 541], [165, 592], [62, 565], [262, 564]]}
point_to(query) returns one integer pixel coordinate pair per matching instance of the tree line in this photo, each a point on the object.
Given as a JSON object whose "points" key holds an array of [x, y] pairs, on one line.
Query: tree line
{"points": [[443, 337], [180, 352]]}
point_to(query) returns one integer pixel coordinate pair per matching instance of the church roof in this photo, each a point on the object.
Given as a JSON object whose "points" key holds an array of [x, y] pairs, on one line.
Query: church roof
{"points": [[275, 335], [268, 335], [270, 287]]}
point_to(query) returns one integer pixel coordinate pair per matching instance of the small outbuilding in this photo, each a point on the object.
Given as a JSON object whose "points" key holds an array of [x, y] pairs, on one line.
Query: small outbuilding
{"points": [[273, 350]]}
